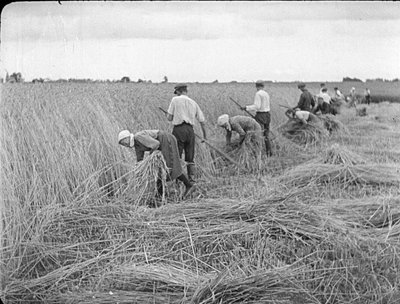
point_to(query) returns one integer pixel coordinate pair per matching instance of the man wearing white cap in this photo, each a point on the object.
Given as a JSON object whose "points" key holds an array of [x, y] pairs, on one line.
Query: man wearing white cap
{"points": [[183, 112], [262, 108], [242, 125], [151, 140]]}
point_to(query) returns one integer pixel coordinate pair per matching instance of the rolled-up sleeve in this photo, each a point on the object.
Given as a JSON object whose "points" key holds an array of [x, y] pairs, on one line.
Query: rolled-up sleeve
{"points": [[257, 104], [199, 114]]}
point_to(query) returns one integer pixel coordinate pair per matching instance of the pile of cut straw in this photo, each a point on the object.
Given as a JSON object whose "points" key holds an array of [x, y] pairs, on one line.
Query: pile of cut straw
{"points": [[341, 166], [333, 125], [339, 155], [304, 134], [273, 286]]}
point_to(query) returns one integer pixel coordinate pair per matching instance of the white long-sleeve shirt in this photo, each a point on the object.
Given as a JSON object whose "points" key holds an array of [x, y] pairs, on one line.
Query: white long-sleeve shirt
{"points": [[185, 109], [261, 102]]}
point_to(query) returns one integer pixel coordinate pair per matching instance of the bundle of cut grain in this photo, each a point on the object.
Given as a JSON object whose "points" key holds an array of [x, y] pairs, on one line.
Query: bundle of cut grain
{"points": [[364, 174], [304, 134], [144, 177], [248, 153], [361, 111], [333, 125], [337, 105], [339, 155]]}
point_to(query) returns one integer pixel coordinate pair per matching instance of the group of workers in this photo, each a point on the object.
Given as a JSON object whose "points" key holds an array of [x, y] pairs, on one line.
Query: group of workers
{"points": [[184, 111]]}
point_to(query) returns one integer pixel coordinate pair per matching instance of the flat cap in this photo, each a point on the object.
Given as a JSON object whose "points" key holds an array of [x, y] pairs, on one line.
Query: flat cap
{"points": [[180, 85], [301, 85], [260, 83]]}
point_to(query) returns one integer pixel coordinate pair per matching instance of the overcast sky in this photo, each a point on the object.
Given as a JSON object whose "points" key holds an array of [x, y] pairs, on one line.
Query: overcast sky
{"points": [[202, 41]]}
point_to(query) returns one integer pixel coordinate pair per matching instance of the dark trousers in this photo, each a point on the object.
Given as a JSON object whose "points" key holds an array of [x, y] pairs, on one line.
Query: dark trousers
{"points": [[264, 119], [185, 138]]}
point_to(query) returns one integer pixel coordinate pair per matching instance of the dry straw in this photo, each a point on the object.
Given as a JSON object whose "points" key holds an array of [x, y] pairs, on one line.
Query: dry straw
{"points": [[248, 153], [333, 125], [142, 179], [304, 134], [340, 166]]}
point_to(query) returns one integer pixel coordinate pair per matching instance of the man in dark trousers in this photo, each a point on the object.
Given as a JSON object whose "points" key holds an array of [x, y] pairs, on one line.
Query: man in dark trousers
{"points": [[306, 101], [262, 108], [183, 112]]}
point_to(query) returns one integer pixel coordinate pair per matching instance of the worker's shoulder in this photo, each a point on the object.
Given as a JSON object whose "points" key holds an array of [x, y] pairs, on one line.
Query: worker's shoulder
{"points": [[262, 93], [183, 98], [240, 119]]}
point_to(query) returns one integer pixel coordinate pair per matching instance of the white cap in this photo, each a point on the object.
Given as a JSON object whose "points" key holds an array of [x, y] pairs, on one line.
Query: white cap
{"points": [[123, 134], [223, 119]]}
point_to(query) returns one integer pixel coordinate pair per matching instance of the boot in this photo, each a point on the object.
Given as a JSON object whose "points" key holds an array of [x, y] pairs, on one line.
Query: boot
{"points": [[268, 148], [189, 186], [191, 171]]}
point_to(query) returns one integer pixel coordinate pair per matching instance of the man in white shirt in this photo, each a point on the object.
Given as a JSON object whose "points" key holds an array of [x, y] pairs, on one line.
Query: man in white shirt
{"points": [[183, 112], [324, 103], [338, 95], [262, 108]]}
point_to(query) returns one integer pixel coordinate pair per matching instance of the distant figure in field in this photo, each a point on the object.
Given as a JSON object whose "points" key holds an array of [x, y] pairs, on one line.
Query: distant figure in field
{"points": [[241, 124], [353, 96], [183, 112], [322, 86], [151, 140], [306, 101], [262, 108], [304, 116], [338, 95], [367, 95], [324, 103]]}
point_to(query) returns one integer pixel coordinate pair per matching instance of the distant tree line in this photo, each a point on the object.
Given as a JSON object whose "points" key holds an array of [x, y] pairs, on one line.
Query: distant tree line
{"points": [[17, 77], [382, 80]]}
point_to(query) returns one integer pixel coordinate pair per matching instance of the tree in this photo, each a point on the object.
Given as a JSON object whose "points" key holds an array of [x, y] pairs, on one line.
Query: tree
{"points": [[165, 79], [15, 77], [125, 79], [351, 79]]}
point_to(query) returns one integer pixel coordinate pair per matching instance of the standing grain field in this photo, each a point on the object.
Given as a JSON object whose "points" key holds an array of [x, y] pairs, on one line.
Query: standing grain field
{"points": [[73, 231]]}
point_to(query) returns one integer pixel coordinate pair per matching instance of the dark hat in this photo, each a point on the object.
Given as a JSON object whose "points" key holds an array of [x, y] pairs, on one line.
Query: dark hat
{"points": [[180, 86], [259, 83], [301, 85]]}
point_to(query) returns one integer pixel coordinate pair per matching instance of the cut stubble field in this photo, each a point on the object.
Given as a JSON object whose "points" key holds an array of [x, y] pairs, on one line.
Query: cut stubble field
{"points": [[316, 223]]}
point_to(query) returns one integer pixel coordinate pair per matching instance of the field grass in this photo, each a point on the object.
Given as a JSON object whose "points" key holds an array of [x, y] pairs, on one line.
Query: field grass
{"points": [[313, 224]]}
